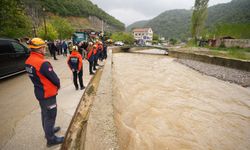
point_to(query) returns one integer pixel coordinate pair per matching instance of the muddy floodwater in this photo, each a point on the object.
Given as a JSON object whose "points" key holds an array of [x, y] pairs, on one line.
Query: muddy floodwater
{"points": [[161, 104]]}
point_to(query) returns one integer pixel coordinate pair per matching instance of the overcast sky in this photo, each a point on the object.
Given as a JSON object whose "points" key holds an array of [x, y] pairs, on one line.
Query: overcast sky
{"points": [[130, 11]]}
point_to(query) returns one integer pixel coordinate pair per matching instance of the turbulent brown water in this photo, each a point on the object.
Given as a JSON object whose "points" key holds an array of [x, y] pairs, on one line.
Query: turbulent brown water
{"points": [[161, 104]]}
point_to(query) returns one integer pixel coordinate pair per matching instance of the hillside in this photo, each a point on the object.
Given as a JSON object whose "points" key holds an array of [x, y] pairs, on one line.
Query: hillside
{"points": [[237, 11], [172, 24], [177, 23], [137, 24], [73, 8]]}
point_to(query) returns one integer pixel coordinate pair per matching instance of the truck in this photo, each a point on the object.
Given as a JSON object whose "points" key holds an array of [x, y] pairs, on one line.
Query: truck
{"points": [[79, 36]]}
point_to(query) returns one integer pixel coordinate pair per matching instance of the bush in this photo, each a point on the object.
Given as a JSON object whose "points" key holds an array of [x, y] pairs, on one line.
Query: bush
{"points": [[52, 34]]}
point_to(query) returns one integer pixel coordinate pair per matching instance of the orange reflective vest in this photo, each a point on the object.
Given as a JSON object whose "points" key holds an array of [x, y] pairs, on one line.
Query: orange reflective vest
{"points": [[75, 61], [45, 80]]}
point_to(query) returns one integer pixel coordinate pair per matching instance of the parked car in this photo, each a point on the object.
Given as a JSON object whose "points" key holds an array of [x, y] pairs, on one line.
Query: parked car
{"points": [[12, 57], [119, 43]]}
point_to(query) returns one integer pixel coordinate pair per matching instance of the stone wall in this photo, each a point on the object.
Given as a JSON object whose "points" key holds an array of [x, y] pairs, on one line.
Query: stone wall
{"points": [[242, 43]]}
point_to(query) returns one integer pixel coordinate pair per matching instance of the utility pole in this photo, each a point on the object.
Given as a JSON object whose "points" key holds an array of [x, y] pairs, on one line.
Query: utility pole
{"points": [[44, 21], [102, 27]]}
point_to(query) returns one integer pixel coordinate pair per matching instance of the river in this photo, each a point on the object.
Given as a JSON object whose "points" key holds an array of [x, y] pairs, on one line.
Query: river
{"points": [[160, 104]]}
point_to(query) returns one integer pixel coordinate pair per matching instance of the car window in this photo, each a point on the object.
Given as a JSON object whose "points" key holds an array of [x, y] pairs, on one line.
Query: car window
{"points": [[5, 47], [18, 47]]}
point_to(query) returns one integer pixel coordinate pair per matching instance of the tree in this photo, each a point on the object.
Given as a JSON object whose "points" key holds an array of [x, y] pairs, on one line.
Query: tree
{"points": [[13, 21], [63, 27], [51, 32], [122, 36], [199, 17], [155, 37]]}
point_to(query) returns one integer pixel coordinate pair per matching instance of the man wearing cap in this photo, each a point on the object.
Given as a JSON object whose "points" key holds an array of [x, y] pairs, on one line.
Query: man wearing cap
{"points": [[46, 84], [75, 65]]}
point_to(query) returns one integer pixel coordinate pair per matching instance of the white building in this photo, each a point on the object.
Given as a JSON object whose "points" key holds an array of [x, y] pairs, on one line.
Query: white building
{"points": [[145, 34]]}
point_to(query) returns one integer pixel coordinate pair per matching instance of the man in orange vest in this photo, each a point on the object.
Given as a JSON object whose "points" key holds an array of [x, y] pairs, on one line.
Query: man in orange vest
{"points": [[46, 84], [75, 65], [90, 57], [95, 52]]}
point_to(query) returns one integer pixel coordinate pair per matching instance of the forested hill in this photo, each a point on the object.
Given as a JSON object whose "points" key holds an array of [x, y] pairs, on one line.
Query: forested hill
{"points": [[237, 11], [81, 8], [137, 24], [177, 23], [172, 24]]}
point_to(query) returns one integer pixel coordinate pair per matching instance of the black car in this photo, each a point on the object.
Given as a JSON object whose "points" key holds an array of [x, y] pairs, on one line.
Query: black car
{"points": [[12, 57]]}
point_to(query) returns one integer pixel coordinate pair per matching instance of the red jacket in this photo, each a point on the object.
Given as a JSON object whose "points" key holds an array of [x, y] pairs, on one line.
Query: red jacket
{"points": [[95, 49], [90, 52], [45, 80], [75, 61]]}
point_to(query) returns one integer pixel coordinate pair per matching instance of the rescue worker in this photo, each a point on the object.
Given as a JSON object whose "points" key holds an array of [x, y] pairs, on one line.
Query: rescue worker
{"points": [[90, 57], [100, 51], [95, 53], [46, 84], [75, 65]]}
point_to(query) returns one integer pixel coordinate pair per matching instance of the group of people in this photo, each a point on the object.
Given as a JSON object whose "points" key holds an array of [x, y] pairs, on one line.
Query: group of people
{"points": [[58, 47], [85, 50], [47, 83]]}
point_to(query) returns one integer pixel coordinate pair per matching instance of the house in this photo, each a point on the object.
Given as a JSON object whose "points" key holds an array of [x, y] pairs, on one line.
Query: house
{"points": [[143, 34]]}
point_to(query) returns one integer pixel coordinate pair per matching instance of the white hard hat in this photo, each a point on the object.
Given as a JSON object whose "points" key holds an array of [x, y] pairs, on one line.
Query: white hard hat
{"points": [[75, 48]]}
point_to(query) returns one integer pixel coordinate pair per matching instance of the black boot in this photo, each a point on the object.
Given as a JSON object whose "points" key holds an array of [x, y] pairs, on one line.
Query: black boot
{"points": [[56, 140]]}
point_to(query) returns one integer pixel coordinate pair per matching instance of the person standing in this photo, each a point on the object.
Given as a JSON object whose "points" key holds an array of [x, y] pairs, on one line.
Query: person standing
{"points": [[90, 57], [95, 50], [75, 65], [54, 49], [64, 48], [46, 84]]}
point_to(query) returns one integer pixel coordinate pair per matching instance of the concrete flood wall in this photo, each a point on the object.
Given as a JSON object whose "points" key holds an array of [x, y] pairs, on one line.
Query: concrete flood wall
{"points": [[242, 43], [76, 133], [227, 62], [92, 126]]}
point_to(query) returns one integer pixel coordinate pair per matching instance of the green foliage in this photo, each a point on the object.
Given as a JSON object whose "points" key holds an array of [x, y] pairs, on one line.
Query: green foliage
{"points": [[234, 12], [52, 34], [234, 30], [198, 18], [63, 27], [13, 21], [82, 8], [173, 41], [156, 37], [234, 52], [127, 38]]}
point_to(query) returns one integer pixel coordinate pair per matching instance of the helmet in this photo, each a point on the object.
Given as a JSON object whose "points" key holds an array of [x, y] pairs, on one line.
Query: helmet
{"points": [[75, 48], [36, 43]]}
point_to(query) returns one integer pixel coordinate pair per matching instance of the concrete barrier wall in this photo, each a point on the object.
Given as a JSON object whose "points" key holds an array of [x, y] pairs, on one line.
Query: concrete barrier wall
{"points": [[242, 43], [76, 132], [231, 63]]}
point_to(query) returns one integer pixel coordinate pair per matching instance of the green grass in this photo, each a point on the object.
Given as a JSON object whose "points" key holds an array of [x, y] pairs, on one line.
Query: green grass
{"points": [[236, 53]]}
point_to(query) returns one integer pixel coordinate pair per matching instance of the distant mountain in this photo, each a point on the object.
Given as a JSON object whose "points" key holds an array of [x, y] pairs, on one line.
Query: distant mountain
{"points": [[177, 23], [172, 24], [136, 24], [237, 11]]}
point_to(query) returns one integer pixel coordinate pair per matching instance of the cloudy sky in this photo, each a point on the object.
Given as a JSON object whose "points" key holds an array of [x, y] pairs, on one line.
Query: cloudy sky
{"points": [[129, 11]]}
